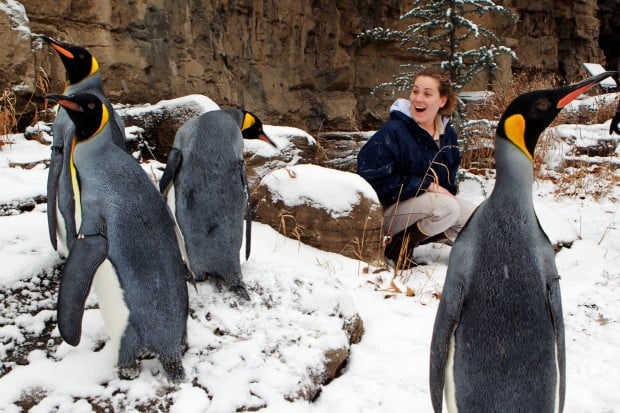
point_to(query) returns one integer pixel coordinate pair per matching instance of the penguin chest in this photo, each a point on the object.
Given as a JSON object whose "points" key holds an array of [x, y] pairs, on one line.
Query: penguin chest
{"points": [[171, 201], [112, 303], [61, 231]]}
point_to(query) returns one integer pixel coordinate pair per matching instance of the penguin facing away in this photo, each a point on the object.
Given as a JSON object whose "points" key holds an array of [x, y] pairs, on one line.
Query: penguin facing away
{"points": [[206, 187], [498, 337], [82, 71], [126, 247]]}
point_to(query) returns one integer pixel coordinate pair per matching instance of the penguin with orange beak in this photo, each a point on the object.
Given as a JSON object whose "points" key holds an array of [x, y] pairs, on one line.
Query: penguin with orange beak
{"points": [[498, 337], [82, 75]]}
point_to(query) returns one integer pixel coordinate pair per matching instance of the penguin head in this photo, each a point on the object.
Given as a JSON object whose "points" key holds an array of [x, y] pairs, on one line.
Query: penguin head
{"points": [[79, 63], [87, 112], [529, 114], [252, 128]]}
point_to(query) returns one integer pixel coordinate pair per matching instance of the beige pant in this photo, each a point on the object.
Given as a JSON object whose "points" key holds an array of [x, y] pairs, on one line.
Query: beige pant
{"points": [[435, 213]]}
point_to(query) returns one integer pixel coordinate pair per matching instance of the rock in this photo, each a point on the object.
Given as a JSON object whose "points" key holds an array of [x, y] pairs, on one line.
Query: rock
{"points": [[346, 218], [294, 147], [292, 63], [339, 149], [158, 123]]}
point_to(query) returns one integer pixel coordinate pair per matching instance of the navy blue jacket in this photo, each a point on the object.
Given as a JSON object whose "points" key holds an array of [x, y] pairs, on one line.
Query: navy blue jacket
{"points": [[401, 159]]}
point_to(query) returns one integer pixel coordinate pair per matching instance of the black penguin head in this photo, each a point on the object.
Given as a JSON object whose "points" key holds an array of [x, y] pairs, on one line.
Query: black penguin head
{"points": [[79, 63], [252, 128], [529, 114], [86, 111]]}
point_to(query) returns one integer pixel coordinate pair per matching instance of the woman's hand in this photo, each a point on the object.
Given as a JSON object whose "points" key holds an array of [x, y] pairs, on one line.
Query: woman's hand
{"points": [[434, 187]]}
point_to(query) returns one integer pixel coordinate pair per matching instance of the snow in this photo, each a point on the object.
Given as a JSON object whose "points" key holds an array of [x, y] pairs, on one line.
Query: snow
{"points": [[306, 184], [387, 371], [16, 13]]}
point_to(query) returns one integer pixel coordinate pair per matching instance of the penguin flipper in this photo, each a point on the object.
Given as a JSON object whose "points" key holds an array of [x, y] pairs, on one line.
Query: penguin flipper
{"points": [[248, 211], [448, 313], [53, 176], [88, 252], [555, 307], [446, 319], [174, 161]]}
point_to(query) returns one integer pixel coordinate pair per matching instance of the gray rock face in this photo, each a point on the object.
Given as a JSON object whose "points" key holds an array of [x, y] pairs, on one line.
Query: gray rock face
{"points": [[292, 63]]}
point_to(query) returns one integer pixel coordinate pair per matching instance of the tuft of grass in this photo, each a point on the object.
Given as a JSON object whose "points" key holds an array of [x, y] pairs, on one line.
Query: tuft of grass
{"points": [[11, 116], [8, 116]]}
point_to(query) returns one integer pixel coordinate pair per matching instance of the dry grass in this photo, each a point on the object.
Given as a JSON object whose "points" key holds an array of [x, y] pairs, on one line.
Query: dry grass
{"points": [[11, 116], [8, 116], [573, 177]]}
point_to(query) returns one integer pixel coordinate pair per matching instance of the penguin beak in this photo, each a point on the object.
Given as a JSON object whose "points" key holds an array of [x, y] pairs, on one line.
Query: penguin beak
{"points": [[65, 102], [571, 92], [263, 137], [57, 46]]}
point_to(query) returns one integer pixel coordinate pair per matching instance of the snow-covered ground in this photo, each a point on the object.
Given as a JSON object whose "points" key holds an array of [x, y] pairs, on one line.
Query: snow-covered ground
{"points": [[387, 371]]}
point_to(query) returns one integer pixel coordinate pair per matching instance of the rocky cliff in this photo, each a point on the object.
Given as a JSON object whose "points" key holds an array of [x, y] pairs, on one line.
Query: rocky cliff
{"points": [[293, 63]]}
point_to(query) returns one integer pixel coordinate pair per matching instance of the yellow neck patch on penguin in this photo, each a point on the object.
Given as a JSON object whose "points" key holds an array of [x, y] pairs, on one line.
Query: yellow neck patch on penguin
{"points": [[104, 119], [514, 127], [94, 67], [248, 121]]}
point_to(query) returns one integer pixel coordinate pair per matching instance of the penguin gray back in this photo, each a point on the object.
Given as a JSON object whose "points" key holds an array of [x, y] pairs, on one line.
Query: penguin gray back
{"points": [[209, 195]]}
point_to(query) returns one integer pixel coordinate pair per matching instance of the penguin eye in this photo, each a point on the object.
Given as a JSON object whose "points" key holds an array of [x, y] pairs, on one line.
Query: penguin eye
{"points": [[81, 56], [91, 106], [543, 104]]}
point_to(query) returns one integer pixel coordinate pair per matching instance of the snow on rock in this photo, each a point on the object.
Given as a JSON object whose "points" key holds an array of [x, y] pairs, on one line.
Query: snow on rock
{"points": [[16, 13], [330, 209], [152, 127], [329, 189], [295, 146]]}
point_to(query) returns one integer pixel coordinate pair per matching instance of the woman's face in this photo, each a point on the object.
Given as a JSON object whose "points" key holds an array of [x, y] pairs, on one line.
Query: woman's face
{"points": [[425, 99]]}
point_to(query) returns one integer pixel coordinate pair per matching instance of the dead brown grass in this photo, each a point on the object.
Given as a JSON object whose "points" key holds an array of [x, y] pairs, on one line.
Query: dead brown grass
{"points": [[8, 117], [11, 116], [575, 176]]}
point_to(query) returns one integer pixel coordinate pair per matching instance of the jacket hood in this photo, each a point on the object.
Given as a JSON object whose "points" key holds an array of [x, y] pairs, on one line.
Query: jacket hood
{"points": [[403, 106]]}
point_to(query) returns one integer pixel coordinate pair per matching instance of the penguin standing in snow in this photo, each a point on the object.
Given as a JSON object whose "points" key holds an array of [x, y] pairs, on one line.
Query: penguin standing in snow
{"points": [[82, 71], [206, 187], [498, 338], [126, 247]]}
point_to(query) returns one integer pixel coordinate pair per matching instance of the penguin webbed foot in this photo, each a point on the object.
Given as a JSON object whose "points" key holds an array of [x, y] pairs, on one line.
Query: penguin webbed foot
{"points": [[174, 370], [130, 371], [241, 291]]}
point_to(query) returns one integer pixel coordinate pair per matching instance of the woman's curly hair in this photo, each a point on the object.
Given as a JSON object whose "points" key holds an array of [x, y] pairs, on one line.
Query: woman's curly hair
{"points": [[445, 87]]}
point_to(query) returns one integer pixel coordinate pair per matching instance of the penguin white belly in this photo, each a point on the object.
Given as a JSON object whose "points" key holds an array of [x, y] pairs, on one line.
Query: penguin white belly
{"points": [[111, 303], [171, 201], [449, 385], [61, 232]]}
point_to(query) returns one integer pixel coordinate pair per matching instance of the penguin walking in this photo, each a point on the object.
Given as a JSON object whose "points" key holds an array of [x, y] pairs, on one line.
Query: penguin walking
{"points": [[83, 76], [126, 247], [206, 187], [498, 337]]}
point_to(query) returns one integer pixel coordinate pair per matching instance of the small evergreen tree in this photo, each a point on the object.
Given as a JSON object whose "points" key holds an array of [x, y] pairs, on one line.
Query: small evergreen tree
{"points": [[440, 31]]}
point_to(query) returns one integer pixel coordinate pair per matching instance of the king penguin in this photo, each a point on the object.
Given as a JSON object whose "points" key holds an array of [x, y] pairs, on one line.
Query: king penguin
{"points": [[498, 337], [206, 187], [82, 75], [126, 248]]}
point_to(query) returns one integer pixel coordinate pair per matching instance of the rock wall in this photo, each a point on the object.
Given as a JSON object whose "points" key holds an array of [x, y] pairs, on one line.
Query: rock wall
{"points": [[293, 63], [558, 36]]}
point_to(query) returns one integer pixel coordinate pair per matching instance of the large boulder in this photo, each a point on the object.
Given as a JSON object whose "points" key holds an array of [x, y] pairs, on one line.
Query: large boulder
{"points": [[332, 210]]}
